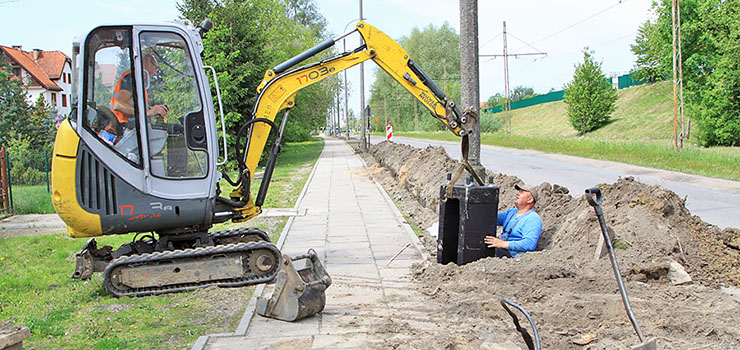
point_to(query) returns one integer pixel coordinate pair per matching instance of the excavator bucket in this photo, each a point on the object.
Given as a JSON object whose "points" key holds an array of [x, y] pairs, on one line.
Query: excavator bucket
{"points": [[298, 293]]}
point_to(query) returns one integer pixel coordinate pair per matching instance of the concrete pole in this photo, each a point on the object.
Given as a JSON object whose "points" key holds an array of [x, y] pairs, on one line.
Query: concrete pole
{"points": [[469, 75], [363, 129], [346, 101]]}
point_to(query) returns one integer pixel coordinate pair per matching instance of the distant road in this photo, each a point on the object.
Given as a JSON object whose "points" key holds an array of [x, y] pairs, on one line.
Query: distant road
{"points": [[714, 200]]}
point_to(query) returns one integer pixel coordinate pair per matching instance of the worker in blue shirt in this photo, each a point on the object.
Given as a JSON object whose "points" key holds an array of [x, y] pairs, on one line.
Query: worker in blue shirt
{"points": [[521, 225]]}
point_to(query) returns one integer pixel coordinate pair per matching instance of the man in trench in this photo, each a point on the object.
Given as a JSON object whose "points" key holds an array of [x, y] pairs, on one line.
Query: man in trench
{"points": [[522, 226]]}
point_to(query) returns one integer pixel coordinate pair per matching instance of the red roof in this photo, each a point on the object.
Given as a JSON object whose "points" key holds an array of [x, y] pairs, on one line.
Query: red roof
{"points": [[25, 60], [52, 62]]}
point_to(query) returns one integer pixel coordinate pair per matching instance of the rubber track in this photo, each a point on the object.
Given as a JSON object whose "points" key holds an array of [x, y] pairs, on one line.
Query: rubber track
{"points": [[248, 231], [192, 253]]}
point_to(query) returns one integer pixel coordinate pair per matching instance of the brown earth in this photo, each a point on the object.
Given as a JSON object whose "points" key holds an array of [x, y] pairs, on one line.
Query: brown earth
{"points": [[564, 289]]}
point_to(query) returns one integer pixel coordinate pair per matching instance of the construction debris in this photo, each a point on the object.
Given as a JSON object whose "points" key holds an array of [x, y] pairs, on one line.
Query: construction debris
{"points": [[565, 290]]}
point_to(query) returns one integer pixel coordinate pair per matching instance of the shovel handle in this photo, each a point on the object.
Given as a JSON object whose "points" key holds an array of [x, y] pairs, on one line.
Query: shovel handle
{"points": [[590, 193]]}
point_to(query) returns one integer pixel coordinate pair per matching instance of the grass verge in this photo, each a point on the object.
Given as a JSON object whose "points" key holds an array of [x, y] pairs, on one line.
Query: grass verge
{"points": [[723, 162], [31, 199], [36, 291]]}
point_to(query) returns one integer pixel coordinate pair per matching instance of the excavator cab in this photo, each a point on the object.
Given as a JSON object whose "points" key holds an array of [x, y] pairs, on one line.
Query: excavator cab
{"points": [[147, 149]]}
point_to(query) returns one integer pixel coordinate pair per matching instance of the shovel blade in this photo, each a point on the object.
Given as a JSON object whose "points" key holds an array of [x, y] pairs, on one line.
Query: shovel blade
{"points": [[651, 344]]}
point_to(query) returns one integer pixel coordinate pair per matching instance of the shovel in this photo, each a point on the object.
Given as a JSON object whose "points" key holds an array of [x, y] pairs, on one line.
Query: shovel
{"points": [[650, 344]]}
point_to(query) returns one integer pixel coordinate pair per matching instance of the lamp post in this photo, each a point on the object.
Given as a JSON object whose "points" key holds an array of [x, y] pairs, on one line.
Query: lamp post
{"points": [[346, 106]]}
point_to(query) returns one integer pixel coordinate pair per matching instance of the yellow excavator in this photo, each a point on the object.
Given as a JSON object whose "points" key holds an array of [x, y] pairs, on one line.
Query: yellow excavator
{"points": [[140, 153]]}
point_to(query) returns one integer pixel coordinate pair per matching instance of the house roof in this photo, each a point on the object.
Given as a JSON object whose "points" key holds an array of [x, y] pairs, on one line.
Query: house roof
{"points": [[27, 63], [52, 62]]}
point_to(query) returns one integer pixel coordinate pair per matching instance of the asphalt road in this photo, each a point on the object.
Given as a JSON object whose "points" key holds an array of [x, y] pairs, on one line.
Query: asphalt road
{"points": [[716, 201]]}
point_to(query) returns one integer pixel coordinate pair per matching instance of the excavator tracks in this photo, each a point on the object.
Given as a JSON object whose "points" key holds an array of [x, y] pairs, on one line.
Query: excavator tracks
{"points": [[230, 265], [239, 235]]}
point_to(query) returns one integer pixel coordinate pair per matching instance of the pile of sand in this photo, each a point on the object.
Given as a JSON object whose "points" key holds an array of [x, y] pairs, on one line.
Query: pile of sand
{"points": [[564, 288]]}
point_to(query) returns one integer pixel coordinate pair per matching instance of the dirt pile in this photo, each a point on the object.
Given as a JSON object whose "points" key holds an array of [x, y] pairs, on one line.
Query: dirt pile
{"points": [[564, 288]]}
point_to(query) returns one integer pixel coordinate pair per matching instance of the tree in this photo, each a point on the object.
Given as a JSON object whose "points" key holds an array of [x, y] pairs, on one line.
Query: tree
{"points": [[589, 97], [247, 39], [715, 93], [709, 37], [522, 93], [14, 111]]}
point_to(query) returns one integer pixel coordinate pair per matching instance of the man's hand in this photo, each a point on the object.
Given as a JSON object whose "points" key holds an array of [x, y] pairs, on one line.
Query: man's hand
{"points": [[493, 242], [160, 110]]}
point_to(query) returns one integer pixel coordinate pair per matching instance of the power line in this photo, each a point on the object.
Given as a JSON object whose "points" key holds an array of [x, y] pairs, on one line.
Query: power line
{"points": [[487, 42], [579, 22]]}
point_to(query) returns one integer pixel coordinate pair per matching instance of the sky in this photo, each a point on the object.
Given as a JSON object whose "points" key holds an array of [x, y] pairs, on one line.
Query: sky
{"points": [[559, 28]]}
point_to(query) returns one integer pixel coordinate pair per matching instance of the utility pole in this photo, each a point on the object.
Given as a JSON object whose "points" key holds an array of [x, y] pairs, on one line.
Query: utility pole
{"points": [[363, 132], [507, 92], [346, 101], [507, 97], [444, 73], [470, 77], [678, 79], [416, 117]]}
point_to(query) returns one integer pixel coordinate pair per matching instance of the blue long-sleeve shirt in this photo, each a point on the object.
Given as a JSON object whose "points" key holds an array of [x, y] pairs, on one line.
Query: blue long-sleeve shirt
{"points": [[525, 235]]}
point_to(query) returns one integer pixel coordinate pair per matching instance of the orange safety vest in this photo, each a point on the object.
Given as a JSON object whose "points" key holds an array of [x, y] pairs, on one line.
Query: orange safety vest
{"points": [[122, 118]]}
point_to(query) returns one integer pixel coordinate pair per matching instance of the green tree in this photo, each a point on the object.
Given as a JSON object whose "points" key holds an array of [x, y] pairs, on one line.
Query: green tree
{"points": [[247, 39], [715, 92], [589, 97], [495, 100], [522, 93], [437, 51], [14, 111], [709, 39]]}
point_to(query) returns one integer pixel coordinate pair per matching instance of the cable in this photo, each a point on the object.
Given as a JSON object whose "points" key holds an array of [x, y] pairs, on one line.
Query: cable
{"points": [[581, 21], [525, 43], [487, 42]]}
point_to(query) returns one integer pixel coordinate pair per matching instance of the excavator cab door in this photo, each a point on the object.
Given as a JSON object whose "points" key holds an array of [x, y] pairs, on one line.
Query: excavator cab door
{"points": [[147, 128]]}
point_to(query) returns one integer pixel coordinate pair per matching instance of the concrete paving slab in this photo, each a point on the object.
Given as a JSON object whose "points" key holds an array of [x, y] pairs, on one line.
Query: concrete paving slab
{"points": [[356, 231]]}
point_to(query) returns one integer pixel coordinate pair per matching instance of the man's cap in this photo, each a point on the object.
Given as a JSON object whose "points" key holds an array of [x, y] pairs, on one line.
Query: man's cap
{"points": [[529, 188]]}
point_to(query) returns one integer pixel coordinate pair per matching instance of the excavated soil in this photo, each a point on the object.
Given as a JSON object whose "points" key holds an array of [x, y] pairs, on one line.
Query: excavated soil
{"points": [[570, 295]]}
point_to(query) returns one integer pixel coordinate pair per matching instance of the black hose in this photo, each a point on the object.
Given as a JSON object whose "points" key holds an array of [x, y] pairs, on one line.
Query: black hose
{"points": [[522, 330]]}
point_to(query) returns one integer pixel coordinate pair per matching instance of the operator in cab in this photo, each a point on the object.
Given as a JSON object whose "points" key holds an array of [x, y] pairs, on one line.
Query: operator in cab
{"points": [[522, 226], [122, 103]]}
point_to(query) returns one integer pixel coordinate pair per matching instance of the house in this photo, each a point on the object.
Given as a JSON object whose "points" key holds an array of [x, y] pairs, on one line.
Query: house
{"points": [[44, 73]]}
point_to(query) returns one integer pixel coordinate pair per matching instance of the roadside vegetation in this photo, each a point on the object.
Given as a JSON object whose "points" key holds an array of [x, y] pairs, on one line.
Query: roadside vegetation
{"points": [[36, 289], [640, 132]]}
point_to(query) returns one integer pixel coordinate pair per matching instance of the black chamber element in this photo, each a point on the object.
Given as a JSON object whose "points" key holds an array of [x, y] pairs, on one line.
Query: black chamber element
{"points": [[464, 222], [196, 127]]}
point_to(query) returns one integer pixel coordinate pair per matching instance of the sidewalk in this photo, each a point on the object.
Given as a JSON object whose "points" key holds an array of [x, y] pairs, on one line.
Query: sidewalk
{"points": [[356, 229]]}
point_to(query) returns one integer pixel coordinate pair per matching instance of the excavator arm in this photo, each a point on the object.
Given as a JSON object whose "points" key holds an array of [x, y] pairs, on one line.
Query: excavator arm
{"points": [[280, 85]]}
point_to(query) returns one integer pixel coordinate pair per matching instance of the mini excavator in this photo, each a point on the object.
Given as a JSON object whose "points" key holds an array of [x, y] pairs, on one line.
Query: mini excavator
{"points": [[139, 153]]}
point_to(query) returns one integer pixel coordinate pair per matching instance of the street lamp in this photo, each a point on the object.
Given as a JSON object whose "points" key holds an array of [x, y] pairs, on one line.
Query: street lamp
{"points": [[346, 106]]}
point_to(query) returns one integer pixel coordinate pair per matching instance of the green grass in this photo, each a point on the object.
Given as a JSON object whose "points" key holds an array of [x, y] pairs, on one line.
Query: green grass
{"points": [[31, 199], [721, 163], [640, 133], [36, 290]]}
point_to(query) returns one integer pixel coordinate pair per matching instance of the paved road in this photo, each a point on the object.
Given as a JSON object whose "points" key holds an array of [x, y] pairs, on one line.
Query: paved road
{"points": [[714, 200]]}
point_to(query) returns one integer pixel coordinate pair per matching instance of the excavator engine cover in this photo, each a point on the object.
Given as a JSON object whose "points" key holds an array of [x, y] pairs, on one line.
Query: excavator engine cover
{"points": [[298, 293]]}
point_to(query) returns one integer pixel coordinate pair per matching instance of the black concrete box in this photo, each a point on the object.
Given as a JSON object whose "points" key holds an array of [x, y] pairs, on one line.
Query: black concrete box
{"points": [[464, 222]]}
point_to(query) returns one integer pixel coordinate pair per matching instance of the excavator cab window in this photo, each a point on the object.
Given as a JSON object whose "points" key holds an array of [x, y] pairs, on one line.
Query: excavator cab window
{"points": [[175, 122], [110, 91]]}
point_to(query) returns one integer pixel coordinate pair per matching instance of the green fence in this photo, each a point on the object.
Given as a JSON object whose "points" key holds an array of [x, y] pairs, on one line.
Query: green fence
{"points": [[548, 97], [623, 81]]}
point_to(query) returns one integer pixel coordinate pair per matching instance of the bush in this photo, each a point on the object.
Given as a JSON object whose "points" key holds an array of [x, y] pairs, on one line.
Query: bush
{"points": [[589, 96], [490, 122], [22, 175]]}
